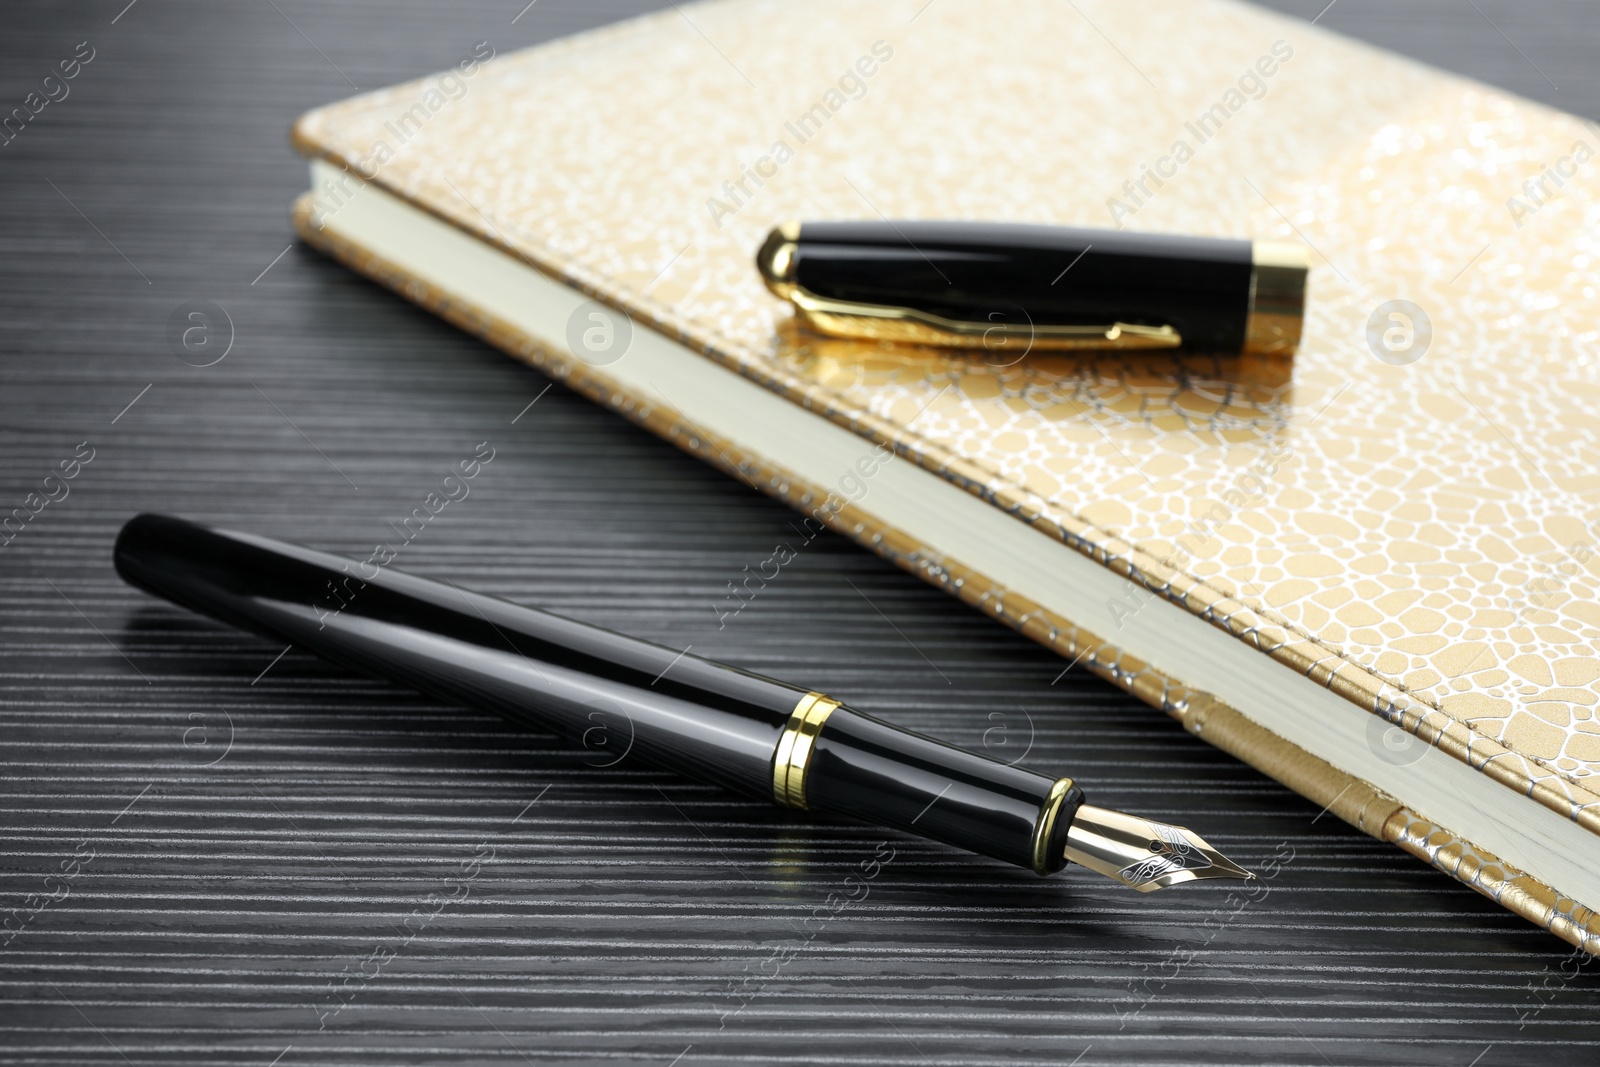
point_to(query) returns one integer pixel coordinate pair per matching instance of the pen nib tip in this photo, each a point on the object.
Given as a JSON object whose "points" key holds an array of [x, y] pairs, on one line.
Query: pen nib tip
{"points": [[1144, 854]]}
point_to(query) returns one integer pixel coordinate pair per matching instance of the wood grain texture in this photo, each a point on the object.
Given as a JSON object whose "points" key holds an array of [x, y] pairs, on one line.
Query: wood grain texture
{"points": [[294, 865]]}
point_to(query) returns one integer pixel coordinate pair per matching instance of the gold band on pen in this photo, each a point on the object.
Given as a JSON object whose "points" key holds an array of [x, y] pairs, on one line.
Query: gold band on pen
{"points": [[1044, 827], [792, 758], [1277, 298]]}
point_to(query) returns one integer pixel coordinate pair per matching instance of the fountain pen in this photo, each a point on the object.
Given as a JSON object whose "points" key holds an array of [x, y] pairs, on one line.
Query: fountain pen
{"points": [[717, 723]]}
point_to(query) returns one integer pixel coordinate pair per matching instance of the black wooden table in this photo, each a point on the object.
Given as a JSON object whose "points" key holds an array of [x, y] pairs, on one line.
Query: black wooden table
{"points": [[214, 850]]}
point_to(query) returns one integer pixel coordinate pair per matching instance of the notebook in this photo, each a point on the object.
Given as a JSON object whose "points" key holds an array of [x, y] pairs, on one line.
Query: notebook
{"points": [[1369, 570]]}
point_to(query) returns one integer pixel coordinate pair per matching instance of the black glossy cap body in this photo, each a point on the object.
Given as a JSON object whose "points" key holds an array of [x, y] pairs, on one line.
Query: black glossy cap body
{"points": [[1038, 275]]}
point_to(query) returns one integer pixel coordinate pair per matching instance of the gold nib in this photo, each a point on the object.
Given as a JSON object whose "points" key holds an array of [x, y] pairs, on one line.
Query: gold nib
{"points": [[1143, 854]]}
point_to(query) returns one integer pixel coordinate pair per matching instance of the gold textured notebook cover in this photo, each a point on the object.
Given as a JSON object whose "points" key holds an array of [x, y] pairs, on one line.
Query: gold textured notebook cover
{"points": [[1404, 513]]}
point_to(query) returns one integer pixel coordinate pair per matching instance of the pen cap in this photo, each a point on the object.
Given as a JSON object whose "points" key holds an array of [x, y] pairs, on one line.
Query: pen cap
{"points": [[1037, 287]]}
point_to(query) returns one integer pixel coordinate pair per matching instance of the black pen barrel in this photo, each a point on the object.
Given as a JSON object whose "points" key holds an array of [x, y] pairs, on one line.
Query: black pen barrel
{"points": [[617, 695]]}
